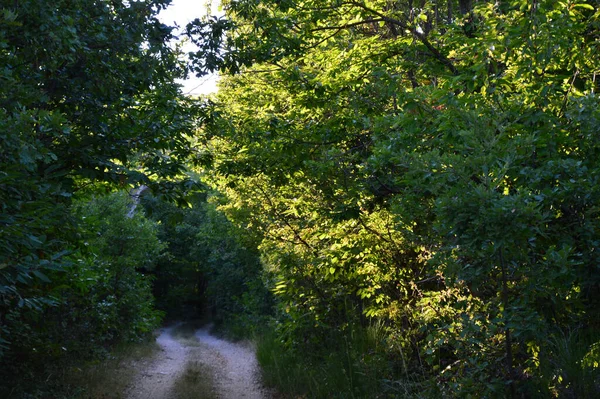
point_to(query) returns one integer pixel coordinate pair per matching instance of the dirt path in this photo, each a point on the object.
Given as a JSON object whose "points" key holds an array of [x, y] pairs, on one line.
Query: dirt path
{"points": [[233, 367]]}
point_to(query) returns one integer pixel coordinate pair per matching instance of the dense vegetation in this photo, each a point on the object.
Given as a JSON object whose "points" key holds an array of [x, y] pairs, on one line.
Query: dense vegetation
{"points": [[425, 168], [88, 103], [400, 198]]}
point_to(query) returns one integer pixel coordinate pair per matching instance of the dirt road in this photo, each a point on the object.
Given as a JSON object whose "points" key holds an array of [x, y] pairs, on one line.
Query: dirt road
{"points": [[232, 367]]}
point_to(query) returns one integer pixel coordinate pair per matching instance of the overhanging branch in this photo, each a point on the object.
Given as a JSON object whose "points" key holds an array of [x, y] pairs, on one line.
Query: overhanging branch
{"points": [[421, 37]]}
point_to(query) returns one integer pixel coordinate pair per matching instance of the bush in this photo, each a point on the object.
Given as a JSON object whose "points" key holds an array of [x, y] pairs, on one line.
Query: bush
{"points": [[104, 299]]}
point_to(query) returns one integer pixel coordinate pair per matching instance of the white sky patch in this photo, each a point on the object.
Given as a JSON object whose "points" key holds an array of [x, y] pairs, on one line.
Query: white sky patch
{"points": [[180, 13]]}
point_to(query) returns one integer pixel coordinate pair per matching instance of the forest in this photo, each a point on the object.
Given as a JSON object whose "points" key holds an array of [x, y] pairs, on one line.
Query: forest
{"points": [[392, 198]]}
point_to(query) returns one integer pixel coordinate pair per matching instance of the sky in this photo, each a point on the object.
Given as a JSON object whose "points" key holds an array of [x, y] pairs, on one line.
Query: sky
{"points": [[179, 13]]}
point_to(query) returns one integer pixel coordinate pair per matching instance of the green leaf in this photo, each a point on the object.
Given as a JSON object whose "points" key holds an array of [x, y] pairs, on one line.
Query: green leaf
{"points": [[582, 5], [41, 276]]}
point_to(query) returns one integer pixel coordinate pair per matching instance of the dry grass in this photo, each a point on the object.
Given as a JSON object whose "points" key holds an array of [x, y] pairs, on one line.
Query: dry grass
{"points": [[196, 382], [110, 378]]}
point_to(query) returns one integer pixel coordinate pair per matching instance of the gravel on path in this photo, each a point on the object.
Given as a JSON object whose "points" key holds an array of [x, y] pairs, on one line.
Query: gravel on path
{"points": [[238, 376], [234, 367]]}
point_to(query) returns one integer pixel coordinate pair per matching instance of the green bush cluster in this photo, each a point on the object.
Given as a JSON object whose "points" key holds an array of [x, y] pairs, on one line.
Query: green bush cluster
{"points": [[103, 298]]}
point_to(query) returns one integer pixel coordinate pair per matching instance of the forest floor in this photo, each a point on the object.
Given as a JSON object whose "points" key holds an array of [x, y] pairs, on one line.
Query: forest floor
{"points": [[192, 363]]}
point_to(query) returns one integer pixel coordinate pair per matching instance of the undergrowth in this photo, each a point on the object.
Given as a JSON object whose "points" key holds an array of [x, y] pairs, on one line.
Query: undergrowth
{"points": [[363, 365], [75, 379], [358, 367], [111, 377]]}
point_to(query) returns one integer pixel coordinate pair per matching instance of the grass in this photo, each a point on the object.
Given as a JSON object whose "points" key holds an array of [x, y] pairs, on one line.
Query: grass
{"points": [[108, 378], [357, 367], [196, 382], [573, 369]]}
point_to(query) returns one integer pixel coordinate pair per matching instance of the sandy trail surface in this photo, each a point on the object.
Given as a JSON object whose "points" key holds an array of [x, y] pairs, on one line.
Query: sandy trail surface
{"points": [[234, 366], [237, 374]]}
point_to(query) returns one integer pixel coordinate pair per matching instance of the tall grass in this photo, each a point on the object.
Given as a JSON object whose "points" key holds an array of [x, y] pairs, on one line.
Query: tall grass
{"points": [[357, 367], [571, 366]]}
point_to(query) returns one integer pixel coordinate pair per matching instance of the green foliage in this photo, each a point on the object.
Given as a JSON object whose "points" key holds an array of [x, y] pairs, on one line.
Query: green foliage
{"points": [[179, 283], [571, 363], [237, 296], [356, 365], [88, 101], [36, 226], [102, 299], [416, 183], [124, 251], [210, 268], [430, 165]]}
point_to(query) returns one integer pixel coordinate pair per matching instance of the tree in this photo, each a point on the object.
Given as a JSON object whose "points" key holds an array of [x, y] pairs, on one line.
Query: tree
{"points": [[88, 100], [124, 249], [210, 268], [434, 170]]}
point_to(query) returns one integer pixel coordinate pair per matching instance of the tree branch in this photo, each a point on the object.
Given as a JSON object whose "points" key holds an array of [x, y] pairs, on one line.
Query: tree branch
{"points": [[435, 52], [338, 28], [285, 221]]}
